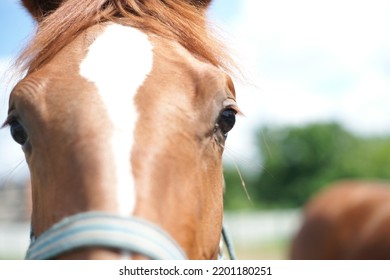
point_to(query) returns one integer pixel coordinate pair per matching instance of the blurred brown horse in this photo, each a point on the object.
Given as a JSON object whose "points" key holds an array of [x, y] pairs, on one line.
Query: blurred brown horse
{"points": [[123, 117], [348, 220]]}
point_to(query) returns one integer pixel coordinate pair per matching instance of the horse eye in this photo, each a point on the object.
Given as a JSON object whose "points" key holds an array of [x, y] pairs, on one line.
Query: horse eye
{"points": [[18, 132], [226, 121]]}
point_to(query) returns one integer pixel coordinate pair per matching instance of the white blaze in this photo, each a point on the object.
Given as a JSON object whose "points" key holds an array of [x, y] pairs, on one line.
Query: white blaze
{"points": [[118, 62]]}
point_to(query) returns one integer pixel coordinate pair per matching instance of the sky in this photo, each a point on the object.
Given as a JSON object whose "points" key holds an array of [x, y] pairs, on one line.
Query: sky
{"points": [[301, 61], [309, 61]]}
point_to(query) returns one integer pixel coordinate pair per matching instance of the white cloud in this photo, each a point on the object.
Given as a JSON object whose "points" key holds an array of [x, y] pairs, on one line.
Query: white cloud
{"points": [[365, 107], [313, 61]]}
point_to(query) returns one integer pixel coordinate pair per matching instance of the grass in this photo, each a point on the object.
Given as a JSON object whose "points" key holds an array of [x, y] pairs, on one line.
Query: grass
{"points": [[273, 250]]}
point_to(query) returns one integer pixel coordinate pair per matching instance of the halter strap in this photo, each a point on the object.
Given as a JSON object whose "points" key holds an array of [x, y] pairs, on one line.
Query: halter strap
{"points": [[228, 243], [105, 230]]}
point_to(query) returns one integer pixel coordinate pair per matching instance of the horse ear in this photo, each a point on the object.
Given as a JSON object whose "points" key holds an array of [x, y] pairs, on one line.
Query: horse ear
{"points": [[40, 8], [200, 3]]}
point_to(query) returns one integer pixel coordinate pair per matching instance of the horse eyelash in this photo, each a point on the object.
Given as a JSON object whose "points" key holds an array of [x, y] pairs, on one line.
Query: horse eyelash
{"points": [[10, 119], [236, 109]]}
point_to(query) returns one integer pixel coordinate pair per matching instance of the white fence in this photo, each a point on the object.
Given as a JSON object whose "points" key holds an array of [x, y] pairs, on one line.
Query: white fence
{"points": [[262, 226], [14, 240]]}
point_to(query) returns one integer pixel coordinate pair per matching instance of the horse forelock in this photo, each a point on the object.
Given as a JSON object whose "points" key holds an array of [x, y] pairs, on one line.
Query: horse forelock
{"points": [[172, 19]]}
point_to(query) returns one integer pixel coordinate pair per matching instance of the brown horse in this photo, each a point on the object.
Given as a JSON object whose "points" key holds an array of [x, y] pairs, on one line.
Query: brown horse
{"points": [[348, 220], [123, 116]]}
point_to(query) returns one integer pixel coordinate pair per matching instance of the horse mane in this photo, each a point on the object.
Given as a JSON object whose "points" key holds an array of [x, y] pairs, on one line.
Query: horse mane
{"points": [[173, 19]]}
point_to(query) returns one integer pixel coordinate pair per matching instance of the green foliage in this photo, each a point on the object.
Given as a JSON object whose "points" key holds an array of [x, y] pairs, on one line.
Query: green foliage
{"points": [[235, 195], [298, 161]]}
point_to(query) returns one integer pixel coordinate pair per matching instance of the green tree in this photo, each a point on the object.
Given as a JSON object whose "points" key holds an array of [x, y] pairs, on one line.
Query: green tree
{"points": [[298, 161]]}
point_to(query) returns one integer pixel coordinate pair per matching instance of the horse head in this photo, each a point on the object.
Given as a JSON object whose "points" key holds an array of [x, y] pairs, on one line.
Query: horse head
{"points": [[123, 115]]}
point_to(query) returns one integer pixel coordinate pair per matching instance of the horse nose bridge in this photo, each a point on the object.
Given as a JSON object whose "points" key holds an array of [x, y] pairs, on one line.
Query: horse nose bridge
{"points": [[83, 162]]}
